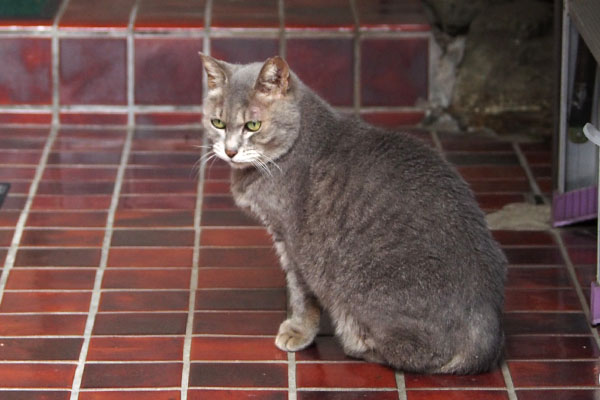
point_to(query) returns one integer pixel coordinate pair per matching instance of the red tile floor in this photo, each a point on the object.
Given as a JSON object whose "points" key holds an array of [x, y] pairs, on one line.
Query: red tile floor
{"points": [[128, 273]]}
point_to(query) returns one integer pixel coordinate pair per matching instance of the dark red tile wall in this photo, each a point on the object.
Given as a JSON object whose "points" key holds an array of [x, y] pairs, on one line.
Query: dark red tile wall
{"points": [[167, 35], [168, 71], [394, 72], [25, 76], [112, 14], [330, 71], [166, 15], [236, 14], [319, 15], [243, 50], [93, 71], [405, 15]]}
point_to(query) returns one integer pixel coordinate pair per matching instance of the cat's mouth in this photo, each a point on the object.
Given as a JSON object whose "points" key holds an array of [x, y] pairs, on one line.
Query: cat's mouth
{"points": [[239, 164], [233, 163], [243, 159]]}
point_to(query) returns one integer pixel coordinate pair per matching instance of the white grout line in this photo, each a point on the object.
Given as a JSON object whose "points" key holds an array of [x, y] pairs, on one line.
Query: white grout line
{"points": [[242, 336], [431, 67], [189, 330], [292, 385], [561, 244], [508, 381], [136, 107], [26, 32], [575, 281], [207, 35], [282, 32], [131, 64], [139, 108], [95, 300], [174, 32], [345, 33], [369, 34], [510, 386], [56, 63], [308, 389], [437, 142], [401, 384], [16, 239], [131, 389], [530, 177], [233, 33], [356, 54], [349, 389], [26, 109]]}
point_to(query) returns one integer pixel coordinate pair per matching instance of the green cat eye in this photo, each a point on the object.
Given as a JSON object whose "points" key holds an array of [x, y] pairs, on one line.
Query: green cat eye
{"points": [[217, 123], [253, 126]]}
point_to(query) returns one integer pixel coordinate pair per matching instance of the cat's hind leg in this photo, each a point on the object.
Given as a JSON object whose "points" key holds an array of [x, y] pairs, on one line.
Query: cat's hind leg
{"points": [[356, 340]]}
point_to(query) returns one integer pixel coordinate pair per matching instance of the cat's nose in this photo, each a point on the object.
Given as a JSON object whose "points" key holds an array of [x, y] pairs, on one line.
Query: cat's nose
{"points": [[231, 152]]}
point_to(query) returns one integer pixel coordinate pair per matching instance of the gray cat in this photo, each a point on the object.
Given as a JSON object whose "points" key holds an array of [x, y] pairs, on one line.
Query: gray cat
{"points": [[371, 226]]}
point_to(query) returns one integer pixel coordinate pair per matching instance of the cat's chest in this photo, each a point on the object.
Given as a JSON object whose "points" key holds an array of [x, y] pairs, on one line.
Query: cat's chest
{"points": [[265, 199]]}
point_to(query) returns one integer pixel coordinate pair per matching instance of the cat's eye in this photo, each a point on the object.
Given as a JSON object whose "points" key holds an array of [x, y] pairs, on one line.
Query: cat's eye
{"points": [[217, 123], [253, 126]]}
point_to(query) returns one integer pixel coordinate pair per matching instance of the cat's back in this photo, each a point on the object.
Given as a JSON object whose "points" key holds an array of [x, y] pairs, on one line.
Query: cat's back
{"points": [[389, 167], [374, 193]]}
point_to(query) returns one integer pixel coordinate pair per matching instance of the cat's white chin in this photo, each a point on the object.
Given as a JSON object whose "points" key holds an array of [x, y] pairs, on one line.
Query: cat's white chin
{"points": [[239, 165]]}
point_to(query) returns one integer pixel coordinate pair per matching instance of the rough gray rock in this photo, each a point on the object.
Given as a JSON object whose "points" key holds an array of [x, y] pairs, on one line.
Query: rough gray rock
{"points": [[505, 81], [455, 16]]}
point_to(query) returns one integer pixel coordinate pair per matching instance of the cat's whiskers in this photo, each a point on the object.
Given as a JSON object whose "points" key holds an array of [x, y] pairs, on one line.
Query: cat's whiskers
{"points": [[219, 149], [271, 161], [196, 169], [264, 159], [204, 159], [255, 158], [196, 166], [263, 166], [212, 161], [210, 155]]}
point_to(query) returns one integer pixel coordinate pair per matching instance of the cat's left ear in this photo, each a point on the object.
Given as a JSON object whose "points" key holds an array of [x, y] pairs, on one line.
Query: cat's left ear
{"points": [[216, 72], [274, 78]]}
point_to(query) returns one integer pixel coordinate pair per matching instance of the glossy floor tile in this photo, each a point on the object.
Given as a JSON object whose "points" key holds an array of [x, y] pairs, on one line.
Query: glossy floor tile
{"points": [[170, 299]]}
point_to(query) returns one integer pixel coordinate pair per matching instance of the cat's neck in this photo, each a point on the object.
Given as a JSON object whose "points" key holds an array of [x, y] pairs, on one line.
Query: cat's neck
{"points": [[317, 120]]}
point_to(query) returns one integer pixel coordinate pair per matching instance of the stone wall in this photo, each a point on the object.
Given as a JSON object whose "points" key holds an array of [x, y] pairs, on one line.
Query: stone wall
{"points": [[495, 68]]}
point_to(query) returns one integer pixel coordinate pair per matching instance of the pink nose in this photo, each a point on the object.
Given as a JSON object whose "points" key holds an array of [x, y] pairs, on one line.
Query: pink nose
{"points": [[230, 153]]}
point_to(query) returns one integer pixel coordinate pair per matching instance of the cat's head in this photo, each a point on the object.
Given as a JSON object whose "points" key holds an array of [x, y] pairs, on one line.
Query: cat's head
{"points": [[250, 111]]}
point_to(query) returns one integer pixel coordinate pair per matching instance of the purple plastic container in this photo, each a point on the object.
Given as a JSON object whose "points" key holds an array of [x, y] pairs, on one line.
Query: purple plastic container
{"points": [[595, 304]]}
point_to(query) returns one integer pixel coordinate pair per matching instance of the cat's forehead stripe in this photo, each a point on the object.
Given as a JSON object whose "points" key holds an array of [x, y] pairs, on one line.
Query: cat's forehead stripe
{"points": [[240, 117], [254, 113]]}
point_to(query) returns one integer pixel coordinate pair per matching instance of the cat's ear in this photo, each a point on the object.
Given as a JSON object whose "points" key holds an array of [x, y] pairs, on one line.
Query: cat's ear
{"points": [[274, 78], [216, 72]]}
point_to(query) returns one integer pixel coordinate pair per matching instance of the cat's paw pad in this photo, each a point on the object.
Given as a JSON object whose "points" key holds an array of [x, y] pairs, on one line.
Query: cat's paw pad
{"points": [[293, 336]]}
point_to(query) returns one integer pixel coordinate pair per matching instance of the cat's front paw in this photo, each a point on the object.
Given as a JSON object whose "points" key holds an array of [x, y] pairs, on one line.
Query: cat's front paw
{"points": [[294, 336]]}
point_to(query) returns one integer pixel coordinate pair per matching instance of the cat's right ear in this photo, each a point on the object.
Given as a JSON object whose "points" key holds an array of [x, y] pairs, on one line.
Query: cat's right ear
{"points": [[216, 72], [274, 78]]}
